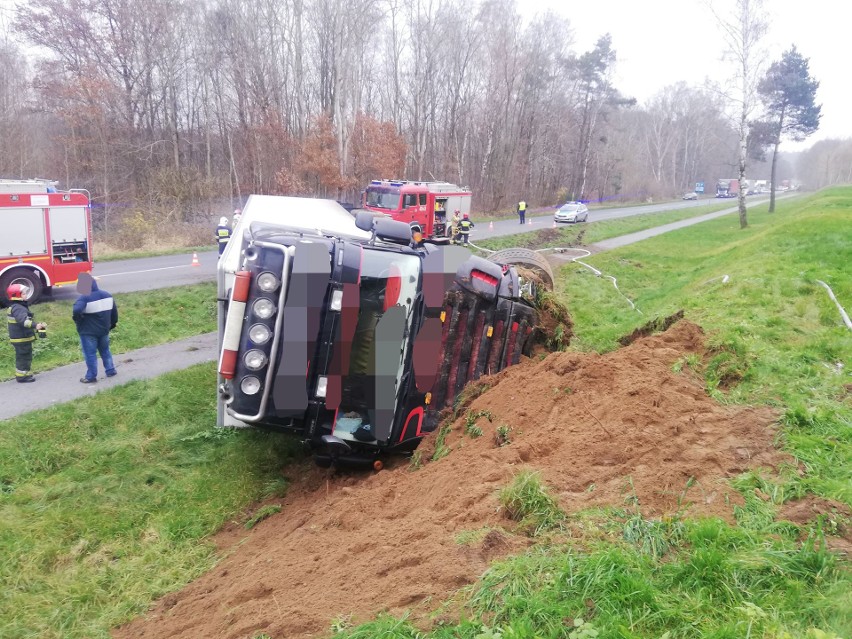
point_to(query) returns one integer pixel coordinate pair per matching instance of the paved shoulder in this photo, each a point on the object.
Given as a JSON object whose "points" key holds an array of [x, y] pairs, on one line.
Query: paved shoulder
{"points": [[632, 238], [62, 385]]}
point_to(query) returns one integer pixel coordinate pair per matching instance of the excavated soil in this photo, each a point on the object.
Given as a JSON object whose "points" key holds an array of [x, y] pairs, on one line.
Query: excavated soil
{"points": [[604, 430]]}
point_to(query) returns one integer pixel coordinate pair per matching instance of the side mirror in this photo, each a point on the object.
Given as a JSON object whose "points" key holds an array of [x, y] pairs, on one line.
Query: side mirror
{"points": [[364, 220], [392, 231]]}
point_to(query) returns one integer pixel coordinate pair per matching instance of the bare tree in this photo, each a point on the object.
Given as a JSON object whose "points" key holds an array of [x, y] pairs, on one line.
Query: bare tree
{"points": [[173, 106], [743, 30]]}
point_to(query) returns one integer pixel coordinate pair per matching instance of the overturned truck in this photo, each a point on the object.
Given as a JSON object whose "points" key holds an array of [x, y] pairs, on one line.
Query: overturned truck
{"points": [[352, 334]]}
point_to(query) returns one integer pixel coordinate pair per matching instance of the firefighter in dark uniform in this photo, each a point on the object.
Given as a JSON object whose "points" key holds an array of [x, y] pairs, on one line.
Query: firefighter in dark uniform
{"points": [[22, 331], [464, 228], [223, 234]]}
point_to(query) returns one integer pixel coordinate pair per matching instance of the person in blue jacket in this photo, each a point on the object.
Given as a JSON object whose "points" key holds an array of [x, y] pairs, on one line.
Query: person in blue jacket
{"points": [[95, 315]]}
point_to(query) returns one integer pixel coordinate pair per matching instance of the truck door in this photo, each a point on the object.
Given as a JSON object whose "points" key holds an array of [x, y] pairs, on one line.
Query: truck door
{"points": [[409, 208], [69, 241]]}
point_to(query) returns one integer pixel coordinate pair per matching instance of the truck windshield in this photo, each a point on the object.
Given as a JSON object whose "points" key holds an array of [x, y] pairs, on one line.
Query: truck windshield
{"points": [[379, 346], [383, 197]]}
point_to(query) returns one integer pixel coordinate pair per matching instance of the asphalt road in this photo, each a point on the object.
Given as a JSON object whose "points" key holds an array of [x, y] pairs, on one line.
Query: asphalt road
{"points": [[145, 274], [539, 221], [149, 273]]}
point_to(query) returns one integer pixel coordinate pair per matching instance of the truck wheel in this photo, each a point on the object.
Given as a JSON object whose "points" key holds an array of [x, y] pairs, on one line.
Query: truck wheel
{"points": [[25, 276], [528, 259]]}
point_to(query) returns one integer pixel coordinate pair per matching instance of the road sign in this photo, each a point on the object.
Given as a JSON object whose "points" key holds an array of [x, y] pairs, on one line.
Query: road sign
{"points": [[699, 187]]}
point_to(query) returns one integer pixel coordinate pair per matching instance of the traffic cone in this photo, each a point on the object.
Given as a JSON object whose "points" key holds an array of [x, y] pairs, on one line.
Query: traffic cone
{"points": [[491, 226], [195, 261], [529, 222], [554, 223]]}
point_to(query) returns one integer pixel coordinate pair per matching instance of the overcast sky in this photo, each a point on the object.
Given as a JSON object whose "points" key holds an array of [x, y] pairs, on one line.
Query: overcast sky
{"points": [[660, 42]]}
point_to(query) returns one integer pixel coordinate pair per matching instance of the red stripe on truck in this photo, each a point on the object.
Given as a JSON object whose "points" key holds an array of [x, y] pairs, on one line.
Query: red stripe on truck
{"points": [[228, 364], [242, 280]]}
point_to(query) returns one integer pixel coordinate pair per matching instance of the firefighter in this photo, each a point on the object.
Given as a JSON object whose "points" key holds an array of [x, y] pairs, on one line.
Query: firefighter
{"points": [[464, 228], [22, 330], [454, 227], [223, 233], [236, 219], [522, 211]]}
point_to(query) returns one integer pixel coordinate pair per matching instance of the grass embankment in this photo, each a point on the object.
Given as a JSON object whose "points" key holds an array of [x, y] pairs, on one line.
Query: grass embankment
{"points": [[107, 253], [144, 319], [104, 504], [592, 231]]}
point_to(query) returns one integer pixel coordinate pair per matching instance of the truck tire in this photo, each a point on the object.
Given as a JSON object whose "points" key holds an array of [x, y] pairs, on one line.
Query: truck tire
{"points": [[528, 259], [26, 276]]}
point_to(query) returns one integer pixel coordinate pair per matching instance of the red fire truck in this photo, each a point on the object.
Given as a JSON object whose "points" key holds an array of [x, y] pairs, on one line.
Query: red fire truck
{"points": [[429, 205], [46, 236]]}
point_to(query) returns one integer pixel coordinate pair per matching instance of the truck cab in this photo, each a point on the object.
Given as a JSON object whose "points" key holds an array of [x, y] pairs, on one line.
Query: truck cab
{"points": [[427, 205], [345, 333]]}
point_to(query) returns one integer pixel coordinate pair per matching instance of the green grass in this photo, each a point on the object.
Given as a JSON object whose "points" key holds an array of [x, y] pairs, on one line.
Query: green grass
{"points": [[591, 232], [112, 255], [106, 502], [527, 501], [144, 319]]}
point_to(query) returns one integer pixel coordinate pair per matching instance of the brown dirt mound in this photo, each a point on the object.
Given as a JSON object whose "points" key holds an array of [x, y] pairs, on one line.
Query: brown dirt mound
{"points": [[836, 516], [611, 429]]}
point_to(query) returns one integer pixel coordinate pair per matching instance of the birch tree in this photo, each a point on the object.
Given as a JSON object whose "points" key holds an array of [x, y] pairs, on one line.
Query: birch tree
{"points": [[743, 30]]}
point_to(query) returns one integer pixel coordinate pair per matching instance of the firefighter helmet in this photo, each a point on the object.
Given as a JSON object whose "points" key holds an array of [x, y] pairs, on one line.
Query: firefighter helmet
{"points": [[17, 292], [223, 221]]}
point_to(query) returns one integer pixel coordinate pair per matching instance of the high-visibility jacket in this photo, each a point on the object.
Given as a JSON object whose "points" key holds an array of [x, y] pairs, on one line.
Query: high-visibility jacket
{"points": [[223, 234], [522, 206], [21, 323], [465, 226]]}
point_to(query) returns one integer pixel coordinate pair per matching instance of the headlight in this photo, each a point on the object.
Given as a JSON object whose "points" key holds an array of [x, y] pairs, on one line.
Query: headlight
{"points": [[336, 300], [267, 282], [255, 359], [250, 385], [263, 308], [322, 386], [259, 334]]}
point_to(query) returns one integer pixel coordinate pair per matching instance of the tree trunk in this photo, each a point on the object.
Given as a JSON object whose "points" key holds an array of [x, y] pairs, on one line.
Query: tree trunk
{"points": [[772, 178]]}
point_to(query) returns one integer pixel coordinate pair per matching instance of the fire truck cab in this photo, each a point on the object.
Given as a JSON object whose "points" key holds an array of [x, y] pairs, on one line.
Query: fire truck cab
{"points": [[46, 237], [429, 205]]}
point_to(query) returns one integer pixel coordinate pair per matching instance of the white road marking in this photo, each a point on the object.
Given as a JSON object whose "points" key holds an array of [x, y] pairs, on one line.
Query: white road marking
{"points": [[149, 270]]}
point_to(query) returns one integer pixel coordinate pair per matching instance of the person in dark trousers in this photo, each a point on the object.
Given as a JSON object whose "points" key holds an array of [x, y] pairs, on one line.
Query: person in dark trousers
{"points": [[95, 315], [223, 234], [522, 211], [464, 228], [22, 330]]}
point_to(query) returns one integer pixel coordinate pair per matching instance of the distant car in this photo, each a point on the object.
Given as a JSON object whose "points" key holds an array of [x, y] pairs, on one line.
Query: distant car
{"points": [[690, 196], [572, 212]]}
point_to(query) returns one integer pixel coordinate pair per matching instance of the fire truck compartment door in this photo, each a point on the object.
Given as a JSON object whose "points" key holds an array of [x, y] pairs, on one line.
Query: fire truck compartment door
{"points": [[24, 232], [68, 224]]}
